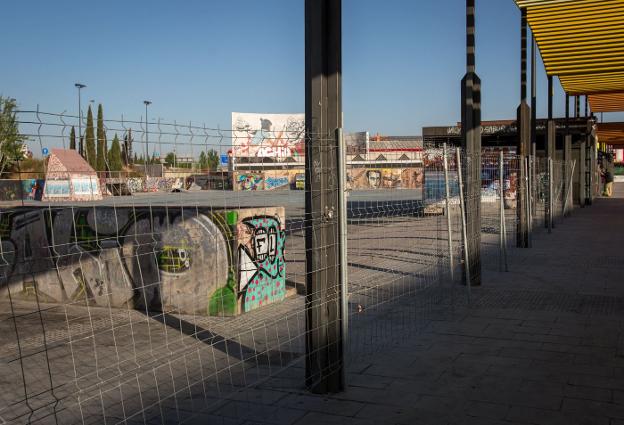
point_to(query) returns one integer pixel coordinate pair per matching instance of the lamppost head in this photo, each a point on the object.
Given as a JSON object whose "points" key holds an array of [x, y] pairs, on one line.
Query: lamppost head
{"points": [[80, 86], [147, 102]]}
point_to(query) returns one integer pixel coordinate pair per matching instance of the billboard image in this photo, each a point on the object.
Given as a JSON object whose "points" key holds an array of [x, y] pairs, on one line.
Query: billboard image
{"points": [[278, 136]]}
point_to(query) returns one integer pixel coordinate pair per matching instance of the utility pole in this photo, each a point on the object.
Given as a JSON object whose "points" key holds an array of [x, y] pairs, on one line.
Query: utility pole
{"points": [[147, 103], [80, 86]]}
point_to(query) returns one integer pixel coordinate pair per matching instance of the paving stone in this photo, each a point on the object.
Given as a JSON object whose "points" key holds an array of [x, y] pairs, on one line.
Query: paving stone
{"points": [[588, 393], [550, 417], [331, 405], [487, 410]]}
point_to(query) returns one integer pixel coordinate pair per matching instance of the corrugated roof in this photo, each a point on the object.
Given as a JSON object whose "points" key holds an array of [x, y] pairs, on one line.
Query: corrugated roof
{"points": [[610, 133], [72, 161], [581, 42], [607, 102]]}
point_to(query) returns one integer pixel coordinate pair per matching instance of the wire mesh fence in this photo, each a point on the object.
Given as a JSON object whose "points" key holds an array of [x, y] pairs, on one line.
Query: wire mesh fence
{"points": [[148, 290]]}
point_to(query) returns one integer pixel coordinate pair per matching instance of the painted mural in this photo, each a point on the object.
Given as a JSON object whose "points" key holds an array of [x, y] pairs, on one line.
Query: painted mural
{"points": [[26, 189], [385, 178], [158, 259], [266, 180], [278, 136], [249, 181], [262, 269]]}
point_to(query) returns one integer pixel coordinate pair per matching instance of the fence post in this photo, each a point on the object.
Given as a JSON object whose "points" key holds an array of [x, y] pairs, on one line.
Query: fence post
{"points": [[449, 227], [525, 167], [462, 205], [531, 195], [568, 194], [503, 265], [323, 112], [344, 264], [550, 195]]}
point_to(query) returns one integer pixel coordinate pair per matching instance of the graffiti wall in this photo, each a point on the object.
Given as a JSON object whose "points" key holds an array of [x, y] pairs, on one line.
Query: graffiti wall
{"points": [[268, 135], [151, 259], [385, 178], [13, 190], [267, 180], [262, 268]]}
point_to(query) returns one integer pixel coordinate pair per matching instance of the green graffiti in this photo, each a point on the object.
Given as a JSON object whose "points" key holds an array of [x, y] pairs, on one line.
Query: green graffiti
{"points": [[223, 301], [174, 259], [84, 235]]}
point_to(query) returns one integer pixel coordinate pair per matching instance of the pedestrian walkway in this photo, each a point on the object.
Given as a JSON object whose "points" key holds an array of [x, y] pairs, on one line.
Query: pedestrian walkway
{"points": [[542, 344]]}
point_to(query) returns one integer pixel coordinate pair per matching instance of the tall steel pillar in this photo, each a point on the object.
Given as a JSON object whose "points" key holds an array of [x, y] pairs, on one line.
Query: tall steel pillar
{"points": [[524, 140], [471, 142], [567, 158], [533, 93], [323, 97], [551, 137]]}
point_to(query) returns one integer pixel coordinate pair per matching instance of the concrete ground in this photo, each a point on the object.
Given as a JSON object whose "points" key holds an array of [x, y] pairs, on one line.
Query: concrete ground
{"points": [[542, 344]]}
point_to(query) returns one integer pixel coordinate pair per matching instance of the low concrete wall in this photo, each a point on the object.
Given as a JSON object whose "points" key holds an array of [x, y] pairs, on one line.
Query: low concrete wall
{"points": [[213, 262]]}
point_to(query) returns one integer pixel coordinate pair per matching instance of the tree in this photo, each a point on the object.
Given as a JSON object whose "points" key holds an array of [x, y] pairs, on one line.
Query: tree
{"points": [[90, 153], [209, 161], [213, 160], [101, 140], [72, 138], [114, 156], [127, 148], [11, 141], [170, 159]]}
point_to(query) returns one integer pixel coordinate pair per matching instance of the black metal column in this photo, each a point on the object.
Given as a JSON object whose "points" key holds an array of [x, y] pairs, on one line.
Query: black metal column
{"points": [[567, 158], [323, 94], [551, 136], [533, 92], [524, 139], [471, 142]]}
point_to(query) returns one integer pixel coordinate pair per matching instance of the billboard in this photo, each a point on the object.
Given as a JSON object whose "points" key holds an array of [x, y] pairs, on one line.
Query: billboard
{"points": [[277, 136]]}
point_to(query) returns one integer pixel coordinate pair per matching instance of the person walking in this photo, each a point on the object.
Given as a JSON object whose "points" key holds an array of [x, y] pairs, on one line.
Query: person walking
{"points": [[608, 176]]}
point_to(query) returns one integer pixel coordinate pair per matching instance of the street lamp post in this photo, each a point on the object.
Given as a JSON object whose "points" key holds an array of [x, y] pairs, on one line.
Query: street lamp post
{"points": [[80, 147], [147, 103]]}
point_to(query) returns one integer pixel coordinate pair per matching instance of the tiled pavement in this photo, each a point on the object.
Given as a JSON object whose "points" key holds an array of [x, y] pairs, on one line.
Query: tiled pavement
{"points": [[542, 344]]}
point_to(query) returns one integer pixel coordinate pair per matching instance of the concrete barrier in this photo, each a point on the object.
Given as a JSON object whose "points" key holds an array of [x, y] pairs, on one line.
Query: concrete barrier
{"points": [[212, 262]]}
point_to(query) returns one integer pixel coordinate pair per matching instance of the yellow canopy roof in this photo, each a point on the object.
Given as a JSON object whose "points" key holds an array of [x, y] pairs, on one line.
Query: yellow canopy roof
{"points": [[610, 133], [581, 42], [607, 102]]}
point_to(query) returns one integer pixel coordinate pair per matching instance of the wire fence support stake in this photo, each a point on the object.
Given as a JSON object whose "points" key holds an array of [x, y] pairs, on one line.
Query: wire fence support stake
{"points": [[503, 265], [344, 264], [569, 189], [525, 166], [531, 195], [449, 226], [550, 195], [463, 218]]}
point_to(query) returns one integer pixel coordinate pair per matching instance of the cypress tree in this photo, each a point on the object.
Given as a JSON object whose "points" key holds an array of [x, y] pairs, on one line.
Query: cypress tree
{"points": [[114, 155], [90, 154], [101, 141], [72, 138]]}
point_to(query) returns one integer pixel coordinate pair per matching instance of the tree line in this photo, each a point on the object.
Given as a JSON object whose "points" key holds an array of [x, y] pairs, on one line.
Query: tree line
{"points": [[93, 146]]}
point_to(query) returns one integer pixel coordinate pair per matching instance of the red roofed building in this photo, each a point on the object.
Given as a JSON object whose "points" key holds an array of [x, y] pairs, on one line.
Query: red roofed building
{"points": [[70, 178]]}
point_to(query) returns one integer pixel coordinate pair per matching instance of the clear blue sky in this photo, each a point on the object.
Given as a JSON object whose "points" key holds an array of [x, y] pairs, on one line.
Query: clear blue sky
{"points": [[200, 60]]}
